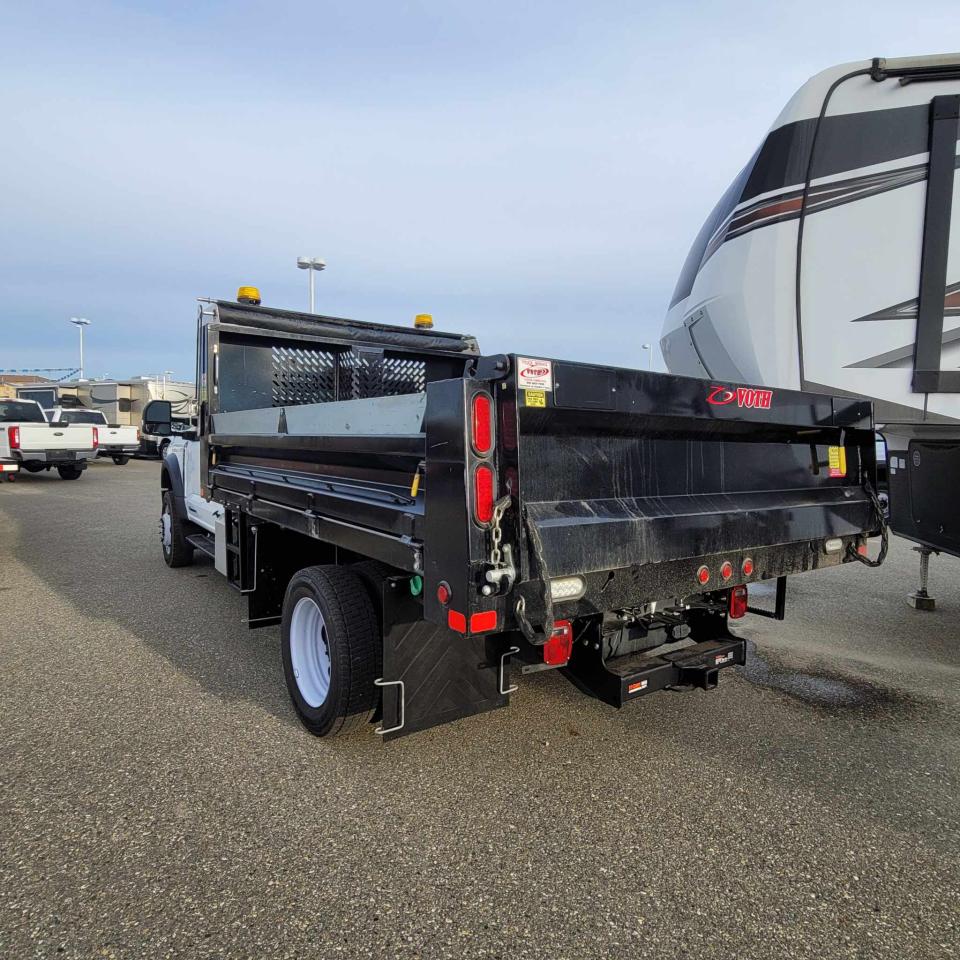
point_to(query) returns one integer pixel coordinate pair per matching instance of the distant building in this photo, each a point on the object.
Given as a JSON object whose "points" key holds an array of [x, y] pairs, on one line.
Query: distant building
{"points": [[10, 381]]}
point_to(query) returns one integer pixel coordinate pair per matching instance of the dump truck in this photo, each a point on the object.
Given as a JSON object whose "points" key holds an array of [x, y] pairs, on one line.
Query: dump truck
{"points": [[427, 524]]}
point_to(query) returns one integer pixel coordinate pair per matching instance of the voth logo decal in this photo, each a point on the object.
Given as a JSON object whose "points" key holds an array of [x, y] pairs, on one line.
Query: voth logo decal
{"points": [[748, 397]]}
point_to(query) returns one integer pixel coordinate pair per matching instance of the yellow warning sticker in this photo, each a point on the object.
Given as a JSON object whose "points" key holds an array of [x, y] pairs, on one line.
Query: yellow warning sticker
{"points": [[837, 459], [535, 398]]}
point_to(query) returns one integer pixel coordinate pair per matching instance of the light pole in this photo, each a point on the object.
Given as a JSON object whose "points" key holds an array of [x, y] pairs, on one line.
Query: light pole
{"points": [[166, 373], [80, 323], [649, 349], [312, 264]]}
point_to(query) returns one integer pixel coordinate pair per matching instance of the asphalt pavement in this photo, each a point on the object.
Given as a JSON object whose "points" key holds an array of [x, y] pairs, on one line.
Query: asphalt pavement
{"points": [[158, 797]]}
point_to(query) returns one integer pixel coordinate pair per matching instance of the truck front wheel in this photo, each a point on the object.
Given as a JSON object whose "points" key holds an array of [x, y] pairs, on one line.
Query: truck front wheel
{"points": [[177, 552], [69, 471], [330, 645]]}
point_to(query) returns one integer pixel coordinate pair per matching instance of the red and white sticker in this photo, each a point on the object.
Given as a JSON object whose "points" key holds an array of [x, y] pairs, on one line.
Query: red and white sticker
{"points": [[533, 374], [748, 397], [637, 687], [722, 658]]}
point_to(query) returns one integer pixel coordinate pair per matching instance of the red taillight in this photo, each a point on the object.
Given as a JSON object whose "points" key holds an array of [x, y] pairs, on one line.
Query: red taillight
{"points": [[726, 571], [443, 593], [138, 434], [556, 650], [703, 576], [737, 605], [13, 437], [482, 423], [747, 567], [483, 493], [96, 438]]}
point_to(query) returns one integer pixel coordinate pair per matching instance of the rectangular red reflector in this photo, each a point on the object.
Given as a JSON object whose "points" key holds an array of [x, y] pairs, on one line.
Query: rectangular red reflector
{"points": [[483, 493], [456, 621], [13, 437], [482, 423], [483, 621], [556, 650], [737, 605]]}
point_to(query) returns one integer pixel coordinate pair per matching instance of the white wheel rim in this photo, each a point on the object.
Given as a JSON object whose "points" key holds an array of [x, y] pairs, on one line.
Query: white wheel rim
{"points": [[166, 530], [310, 652]]}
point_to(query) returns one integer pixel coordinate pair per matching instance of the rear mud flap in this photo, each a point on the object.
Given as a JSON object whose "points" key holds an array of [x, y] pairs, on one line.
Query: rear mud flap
{"points": [[432, 675]]}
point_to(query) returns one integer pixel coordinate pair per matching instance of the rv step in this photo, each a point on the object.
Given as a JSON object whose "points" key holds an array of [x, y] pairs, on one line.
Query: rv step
{"points": [[204, 542], [618, 681]]}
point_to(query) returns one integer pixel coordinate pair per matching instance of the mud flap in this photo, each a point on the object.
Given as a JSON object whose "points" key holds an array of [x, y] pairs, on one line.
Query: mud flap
{"points": [[432, 675]]}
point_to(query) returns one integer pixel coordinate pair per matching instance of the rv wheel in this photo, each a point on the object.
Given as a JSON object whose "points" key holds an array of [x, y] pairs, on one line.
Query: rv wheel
{"points": [[330, 644]]}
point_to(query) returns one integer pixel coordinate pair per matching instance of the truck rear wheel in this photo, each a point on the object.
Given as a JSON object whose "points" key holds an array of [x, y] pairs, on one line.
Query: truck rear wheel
{"points": [[176, 551], [330, 645], [69, 471], [120, 459], [32, 466]]}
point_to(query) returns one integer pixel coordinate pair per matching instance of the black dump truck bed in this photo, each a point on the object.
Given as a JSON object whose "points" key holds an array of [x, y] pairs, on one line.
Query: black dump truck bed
{"points": [[521, 499]]}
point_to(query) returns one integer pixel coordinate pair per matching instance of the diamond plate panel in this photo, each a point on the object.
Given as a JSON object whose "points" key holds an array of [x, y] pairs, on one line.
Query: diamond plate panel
{"points": [[303, 375]]}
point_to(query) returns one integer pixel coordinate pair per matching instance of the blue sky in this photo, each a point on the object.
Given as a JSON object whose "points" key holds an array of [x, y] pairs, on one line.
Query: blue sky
{"points": [[532, 173]]}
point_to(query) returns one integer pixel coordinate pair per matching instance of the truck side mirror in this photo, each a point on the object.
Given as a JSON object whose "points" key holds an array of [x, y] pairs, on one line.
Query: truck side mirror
{"points": [[157, 417]]}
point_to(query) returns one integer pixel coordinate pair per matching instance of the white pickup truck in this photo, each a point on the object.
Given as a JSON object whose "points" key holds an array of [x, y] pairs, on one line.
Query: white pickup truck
{"points": [[27, 440], [117, 442]]}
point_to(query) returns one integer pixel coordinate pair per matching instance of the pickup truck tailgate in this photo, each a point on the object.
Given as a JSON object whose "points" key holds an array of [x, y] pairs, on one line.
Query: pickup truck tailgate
{"points": [[40, 437], [626, 469]]}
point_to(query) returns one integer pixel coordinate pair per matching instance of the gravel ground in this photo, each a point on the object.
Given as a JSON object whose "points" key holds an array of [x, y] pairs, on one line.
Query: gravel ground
{"points": [[158, 797]]}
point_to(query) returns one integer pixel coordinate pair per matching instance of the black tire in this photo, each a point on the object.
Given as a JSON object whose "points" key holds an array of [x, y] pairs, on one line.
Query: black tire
{"points": [[70, 471], [177, 552], [120, 459], [11, 476], [32, 466], [352, 640], [373, 573], [162, 448]]}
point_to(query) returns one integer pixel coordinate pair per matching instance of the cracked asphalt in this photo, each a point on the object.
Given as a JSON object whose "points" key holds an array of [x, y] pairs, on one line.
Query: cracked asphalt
{"points": [[158, 797]]}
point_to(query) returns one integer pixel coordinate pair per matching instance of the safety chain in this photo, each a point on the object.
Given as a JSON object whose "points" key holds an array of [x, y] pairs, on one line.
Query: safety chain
{"points": [[496, 533]]}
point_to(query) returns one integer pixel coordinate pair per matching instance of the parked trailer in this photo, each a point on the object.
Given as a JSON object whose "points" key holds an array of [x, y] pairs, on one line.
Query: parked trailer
{"points": [[420, 518], [833, 263]]}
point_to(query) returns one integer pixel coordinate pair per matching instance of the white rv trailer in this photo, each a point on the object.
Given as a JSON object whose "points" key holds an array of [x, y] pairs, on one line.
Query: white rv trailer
{"points": [[828, 266]]}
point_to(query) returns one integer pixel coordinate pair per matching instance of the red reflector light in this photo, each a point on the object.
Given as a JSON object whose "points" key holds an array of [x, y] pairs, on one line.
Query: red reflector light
{"points": [[443, 593], [13, 437], [726, 571], [482, 423], [747, 567], [556, 650], [862, 549], [456, 621], [96, 438], [737, 605], [483, 621], [483, 493], [703, 576]]}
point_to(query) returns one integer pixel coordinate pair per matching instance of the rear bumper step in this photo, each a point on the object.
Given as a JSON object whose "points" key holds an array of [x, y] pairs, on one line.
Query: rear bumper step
{"points": [[618, 681]]}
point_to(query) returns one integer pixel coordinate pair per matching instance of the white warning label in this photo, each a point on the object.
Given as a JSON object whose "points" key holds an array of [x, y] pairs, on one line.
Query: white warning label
{"points": [[534, 374]]}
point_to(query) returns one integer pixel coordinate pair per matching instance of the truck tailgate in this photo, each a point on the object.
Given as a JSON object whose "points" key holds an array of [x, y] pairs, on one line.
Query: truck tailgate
{"points": [[39, 437], [625, 469]]}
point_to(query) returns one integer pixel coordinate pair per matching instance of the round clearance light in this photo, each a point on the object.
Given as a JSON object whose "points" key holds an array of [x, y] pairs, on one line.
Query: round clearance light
{"points": [[567, 588], [747, 567], [443, 592], [726, 571], [703, 576]]}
